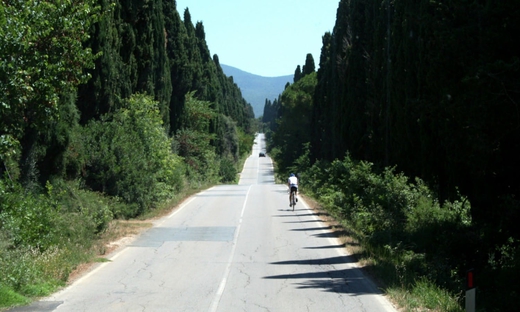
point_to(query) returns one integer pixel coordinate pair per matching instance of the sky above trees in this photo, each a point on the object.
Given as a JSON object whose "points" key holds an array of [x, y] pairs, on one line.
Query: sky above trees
{"points": [[268, 38]]}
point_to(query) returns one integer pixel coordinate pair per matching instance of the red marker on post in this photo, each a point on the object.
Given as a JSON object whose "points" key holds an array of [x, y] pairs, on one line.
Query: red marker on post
{"points": [[470, 291], [470, 284]]}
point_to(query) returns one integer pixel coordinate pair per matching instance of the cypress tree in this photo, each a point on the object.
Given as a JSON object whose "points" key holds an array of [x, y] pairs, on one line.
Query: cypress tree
{"points": [[297, 74], [177, 52], [309, 66]]}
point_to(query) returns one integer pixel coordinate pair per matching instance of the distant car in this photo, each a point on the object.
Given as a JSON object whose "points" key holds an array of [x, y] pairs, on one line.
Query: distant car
{"points": [[261, 154]]}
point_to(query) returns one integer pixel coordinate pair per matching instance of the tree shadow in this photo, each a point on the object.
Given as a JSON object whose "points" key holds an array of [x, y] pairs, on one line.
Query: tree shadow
{"points": [[348, 281], [334, 234], [323, 261], [293, 215], [327, 247], [305, 221], [324, 228]]}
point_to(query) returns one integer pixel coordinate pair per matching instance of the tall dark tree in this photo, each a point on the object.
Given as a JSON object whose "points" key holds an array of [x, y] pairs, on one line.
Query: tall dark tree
{"points": [[294, 120], [297, 74], [309, 66], [321, 131], [433, 89]]}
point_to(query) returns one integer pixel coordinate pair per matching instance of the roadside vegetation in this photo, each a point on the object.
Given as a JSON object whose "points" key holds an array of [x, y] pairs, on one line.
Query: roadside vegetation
{"points": [[49, 232], [411, 244], [407, 134], [110, 115]]}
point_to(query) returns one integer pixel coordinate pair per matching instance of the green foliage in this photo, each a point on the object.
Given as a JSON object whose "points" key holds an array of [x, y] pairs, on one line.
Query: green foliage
{"points": [[382, 202], [245, 142], [426, 295], [105, 151], [8, 297], [29, 272], [400, 224], [43, 237], [292, 133], [309, 66], [41, 57], [82, 213], [64, 214], [130, 156], [228, 143], [197, 114], [424, 94], [10, 155], [28, 219], [25, 270], [228, 170], [193, 141]]}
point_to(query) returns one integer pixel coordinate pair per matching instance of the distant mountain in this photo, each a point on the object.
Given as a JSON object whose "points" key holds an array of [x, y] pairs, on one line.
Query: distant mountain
{"points": [[256, 89]]}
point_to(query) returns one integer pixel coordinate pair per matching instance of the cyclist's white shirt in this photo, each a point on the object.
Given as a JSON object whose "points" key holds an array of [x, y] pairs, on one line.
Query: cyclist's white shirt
{"points": [[293, 181]]}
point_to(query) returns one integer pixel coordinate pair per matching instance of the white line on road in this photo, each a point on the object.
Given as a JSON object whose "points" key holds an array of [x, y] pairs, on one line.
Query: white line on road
{"points": [[222, 286], [181, 207]]}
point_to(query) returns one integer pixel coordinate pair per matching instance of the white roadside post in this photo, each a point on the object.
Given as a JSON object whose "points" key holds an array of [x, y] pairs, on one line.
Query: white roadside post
{"points": [[470, 291]]}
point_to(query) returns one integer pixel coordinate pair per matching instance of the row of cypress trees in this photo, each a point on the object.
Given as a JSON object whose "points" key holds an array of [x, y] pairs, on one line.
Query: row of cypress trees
{"points": [[431, 87], [147, 48], [141, 47], [108, 110]]}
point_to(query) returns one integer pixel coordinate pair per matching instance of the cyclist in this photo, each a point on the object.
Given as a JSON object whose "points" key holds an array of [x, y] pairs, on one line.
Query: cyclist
{"points": [[292, 183]]}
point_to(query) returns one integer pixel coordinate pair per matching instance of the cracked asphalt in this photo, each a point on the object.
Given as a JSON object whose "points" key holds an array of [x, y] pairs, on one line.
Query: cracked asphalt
{"points": [[229, 248]]}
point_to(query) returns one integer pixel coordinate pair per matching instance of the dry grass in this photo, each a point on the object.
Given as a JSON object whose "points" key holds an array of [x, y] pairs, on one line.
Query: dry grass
{"points": [[118, 234]]}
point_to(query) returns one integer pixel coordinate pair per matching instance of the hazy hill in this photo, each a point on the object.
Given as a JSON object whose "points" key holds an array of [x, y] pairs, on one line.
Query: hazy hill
{"points": [[256, 89]]}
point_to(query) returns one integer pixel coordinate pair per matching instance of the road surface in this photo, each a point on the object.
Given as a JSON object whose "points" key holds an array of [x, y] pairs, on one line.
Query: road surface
{"points": [[229, 248]]}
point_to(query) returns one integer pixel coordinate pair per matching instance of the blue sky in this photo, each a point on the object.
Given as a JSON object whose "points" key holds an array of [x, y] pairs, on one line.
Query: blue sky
{"points": [[267, 38]]}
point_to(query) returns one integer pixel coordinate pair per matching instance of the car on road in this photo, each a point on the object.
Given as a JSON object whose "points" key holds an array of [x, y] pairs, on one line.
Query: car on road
{"points": [[262, 154]]}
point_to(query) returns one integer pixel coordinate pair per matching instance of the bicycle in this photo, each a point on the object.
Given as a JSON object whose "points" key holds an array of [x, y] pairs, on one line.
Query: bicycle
{"points": [[292, 198]]}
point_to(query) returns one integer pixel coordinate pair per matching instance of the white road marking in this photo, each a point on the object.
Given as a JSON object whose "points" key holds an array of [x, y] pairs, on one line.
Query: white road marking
{"points": [[222, 286], [180, 208]]}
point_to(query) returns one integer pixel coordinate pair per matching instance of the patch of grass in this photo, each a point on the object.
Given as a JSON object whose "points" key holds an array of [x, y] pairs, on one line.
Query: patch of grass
{"points": [[424, 296], [10, 298], [41, 289]]}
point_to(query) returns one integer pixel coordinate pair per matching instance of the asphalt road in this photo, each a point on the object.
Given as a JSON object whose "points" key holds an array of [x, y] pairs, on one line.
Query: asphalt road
{"points": [[229, 248]]}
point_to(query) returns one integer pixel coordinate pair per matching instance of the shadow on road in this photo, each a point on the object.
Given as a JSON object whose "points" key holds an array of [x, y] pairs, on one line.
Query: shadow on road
{"points": [[327, 247], [348, 281], [324, 228], [324, 261], [304, 221], [298, 215]]}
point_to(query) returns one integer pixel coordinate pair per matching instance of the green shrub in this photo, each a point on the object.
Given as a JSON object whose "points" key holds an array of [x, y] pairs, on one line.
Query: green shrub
{"points": [[245, 142], [401, 225], [9, 297], [130, 157], [31, 272], [44, 236], [28, 219], [91, 209], [228, 171]]}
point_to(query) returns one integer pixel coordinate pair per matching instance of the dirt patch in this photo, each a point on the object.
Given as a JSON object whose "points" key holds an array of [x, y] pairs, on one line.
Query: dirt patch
{"points": [[119, 234]]}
